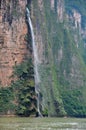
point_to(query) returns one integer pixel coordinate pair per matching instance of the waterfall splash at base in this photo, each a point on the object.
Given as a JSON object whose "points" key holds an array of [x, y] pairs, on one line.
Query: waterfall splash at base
{"points": [[36, 62]]}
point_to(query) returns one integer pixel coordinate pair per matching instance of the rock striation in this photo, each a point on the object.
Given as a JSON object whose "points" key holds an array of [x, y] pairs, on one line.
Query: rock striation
{"points": [[13, 29]]}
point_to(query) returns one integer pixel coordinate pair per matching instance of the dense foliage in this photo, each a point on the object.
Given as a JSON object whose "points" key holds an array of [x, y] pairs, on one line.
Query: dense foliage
{"points": [[6, 100], [25, 90], [20, 97]]}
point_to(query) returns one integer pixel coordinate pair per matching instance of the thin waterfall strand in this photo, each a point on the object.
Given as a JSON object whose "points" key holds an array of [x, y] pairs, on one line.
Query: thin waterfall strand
{"points": [[36, 62]]}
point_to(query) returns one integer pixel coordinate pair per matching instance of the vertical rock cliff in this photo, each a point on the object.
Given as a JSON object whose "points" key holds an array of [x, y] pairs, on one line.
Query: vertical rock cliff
{"points": [[13, 47], [17, 92], [50, 101], [59, 27], [60, 39]]}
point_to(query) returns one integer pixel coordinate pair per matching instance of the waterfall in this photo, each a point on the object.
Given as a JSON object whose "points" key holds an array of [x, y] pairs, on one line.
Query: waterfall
{"points": [[36, 62]]}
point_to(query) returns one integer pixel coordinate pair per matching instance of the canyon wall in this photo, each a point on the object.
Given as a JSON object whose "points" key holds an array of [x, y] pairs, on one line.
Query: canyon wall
{"points": [[13, 29], [59, 29]]}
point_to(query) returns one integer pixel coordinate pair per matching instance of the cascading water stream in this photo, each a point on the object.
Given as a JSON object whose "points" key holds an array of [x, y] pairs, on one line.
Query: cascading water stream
{"points": [[36, 61]]}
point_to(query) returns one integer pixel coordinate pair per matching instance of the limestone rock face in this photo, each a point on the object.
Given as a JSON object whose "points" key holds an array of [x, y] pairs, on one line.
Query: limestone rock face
{"points": [[52, 4], [77, 19], [60, 10], [13, 29], [60, 31]]}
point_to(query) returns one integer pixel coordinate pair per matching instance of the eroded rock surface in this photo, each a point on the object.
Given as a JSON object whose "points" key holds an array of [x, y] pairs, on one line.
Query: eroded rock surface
{"points": [[13, 29]]}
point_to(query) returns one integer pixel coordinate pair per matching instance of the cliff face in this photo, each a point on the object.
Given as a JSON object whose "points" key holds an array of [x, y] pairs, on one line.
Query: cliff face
{"points": [[13, 47], [60, 31], [17, 92], [59, 27]]}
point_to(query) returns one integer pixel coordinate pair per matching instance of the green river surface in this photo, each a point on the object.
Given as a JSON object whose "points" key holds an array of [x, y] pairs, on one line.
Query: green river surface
{"points": [[14, 123]]}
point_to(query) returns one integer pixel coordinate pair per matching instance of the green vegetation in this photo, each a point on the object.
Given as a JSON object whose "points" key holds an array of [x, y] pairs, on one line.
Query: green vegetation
{"points": [[73, 103], [20, 97], [62, 70], [64, 75], [24, 89], [6, 100], [49, 85]]}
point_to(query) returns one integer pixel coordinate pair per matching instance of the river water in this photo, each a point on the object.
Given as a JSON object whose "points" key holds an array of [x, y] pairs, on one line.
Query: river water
{"points": [[42, 123]]}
